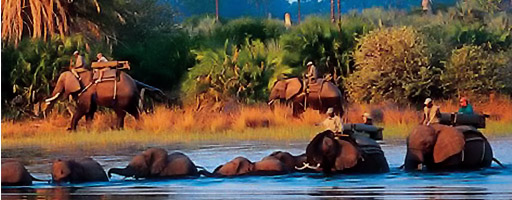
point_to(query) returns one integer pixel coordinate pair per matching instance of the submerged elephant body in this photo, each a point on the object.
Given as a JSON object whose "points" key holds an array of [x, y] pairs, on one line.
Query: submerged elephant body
{"points": [[241, 166], [331, 154], [78, 171], [326, 95], [120, 94], [441, 147], [290, 161], [156, 163], [15, 174]]}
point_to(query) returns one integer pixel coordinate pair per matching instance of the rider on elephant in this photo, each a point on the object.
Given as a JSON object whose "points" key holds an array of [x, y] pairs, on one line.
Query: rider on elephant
{"points": [[79, 65], [312, 73], [101, 58], [465, 107], [431, 113], [367, 119], [332, 122]]}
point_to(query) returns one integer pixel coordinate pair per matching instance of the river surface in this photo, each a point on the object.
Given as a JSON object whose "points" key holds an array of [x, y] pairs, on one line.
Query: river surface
{"points": [[492, 183]]}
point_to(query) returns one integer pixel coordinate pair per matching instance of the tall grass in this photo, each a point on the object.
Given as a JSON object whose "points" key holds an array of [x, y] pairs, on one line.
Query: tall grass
{"points": [[240, 122]]}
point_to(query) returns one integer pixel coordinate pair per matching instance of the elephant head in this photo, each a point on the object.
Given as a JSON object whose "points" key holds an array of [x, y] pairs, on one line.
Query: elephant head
{"points": [[285, 89], [66, 84], [327, 153], [432, 145], [149, 163], [62, 171], [237, 166]]}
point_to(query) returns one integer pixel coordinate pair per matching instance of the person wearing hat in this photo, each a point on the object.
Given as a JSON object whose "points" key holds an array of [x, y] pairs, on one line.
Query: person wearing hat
{"points": [[79, 65], [101, 58], [332, 122], [312, 73], [431, 113], [465, 107], [367, 119]]}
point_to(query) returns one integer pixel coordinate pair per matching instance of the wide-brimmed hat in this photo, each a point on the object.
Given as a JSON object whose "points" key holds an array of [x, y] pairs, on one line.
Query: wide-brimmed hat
{"points": [[75, 53], [330, 110], [309, 63], [427, 101]]}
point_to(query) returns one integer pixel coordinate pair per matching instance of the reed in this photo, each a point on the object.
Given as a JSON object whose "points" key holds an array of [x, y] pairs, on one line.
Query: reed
{"points": [[242, 122]]}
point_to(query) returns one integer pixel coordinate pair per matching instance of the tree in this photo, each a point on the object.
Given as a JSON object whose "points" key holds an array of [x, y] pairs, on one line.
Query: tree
{"points": [[392, 64], [332, 12], [298, 11]]}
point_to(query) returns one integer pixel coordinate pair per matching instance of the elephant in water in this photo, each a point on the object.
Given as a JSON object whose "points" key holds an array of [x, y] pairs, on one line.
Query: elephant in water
{"points": [[156, 163], [78, 171], [15, 174], [441, 147], [332, 154], [322, 95], [117, 91], [290, 161], [241, 166]]}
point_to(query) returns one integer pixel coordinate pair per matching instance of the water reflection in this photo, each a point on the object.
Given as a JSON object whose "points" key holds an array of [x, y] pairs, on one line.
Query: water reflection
{"points": [[492, 183]]}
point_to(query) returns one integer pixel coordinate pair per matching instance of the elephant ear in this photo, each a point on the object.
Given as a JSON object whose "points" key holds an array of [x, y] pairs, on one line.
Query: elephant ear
{"points": [[139, 163], [293, 87], [69, 81], [450, 141], [348, 155]]}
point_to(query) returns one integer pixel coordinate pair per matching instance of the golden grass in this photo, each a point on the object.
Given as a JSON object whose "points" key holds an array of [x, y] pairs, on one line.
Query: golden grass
{"points": [[257, 122]]}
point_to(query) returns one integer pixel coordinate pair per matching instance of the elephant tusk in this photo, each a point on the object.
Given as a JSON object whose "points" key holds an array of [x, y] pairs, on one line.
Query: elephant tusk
{"points": [[306, 165], [271, 102], [49, 100]]}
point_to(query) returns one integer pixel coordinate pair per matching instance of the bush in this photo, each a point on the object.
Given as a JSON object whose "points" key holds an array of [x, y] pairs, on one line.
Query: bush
{"points": [[473, 70], [391, 64]]}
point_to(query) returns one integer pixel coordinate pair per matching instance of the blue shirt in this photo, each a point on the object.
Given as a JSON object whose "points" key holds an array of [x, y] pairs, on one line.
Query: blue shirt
{"points": [[467, 110]]}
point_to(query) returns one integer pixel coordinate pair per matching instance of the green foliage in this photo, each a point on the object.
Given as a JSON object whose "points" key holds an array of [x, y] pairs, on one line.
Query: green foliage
{"points": [[159, 60], [316, 40], [391, 64], [35, 65], [241, 71], [472, 70]]}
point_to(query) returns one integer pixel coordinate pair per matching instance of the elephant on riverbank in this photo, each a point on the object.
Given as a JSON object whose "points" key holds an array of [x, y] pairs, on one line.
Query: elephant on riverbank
{"points": [[241, 166], [156, 163], [322, 95], [78, 171], [119, 93], [441, 147], [331, 154], [14, 173]]}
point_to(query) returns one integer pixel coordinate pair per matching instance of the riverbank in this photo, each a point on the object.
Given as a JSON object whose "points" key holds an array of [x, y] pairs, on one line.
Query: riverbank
{"points": [[235, 123]]}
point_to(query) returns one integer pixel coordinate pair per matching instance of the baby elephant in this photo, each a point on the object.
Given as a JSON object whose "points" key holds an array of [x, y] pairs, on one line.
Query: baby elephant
{"points": [[155, 163], [78, 171], [15, 174]]}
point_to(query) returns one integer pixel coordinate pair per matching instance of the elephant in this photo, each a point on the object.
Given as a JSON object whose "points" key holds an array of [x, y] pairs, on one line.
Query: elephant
{"points": [[324, 96], [156, 163], [14, 173], [441, 147], [122, 96], [241, 166], [344, 154], [78, 171], [290, 161]]}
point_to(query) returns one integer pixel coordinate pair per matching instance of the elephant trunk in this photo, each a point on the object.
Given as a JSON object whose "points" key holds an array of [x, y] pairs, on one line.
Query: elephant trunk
{"points": [[413, 162], [126, 172]]}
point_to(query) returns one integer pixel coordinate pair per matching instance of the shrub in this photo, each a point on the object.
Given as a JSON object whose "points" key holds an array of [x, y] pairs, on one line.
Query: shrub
{"points": [[391, 64], [473, 70]]}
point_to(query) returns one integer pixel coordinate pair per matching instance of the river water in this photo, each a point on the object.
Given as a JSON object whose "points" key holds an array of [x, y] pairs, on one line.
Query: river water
{"points": [[492, 183]]}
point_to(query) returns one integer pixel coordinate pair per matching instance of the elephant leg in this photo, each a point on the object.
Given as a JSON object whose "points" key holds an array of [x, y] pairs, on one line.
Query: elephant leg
{"points": [[79, 113], [89, 116], [120, 118], [134, 112]]}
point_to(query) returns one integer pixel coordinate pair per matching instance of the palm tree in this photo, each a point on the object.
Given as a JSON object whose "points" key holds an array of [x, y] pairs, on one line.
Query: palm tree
{"points": [[217, 10], [41, 18], [332, 12], [339, 11], [298, 10]]}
